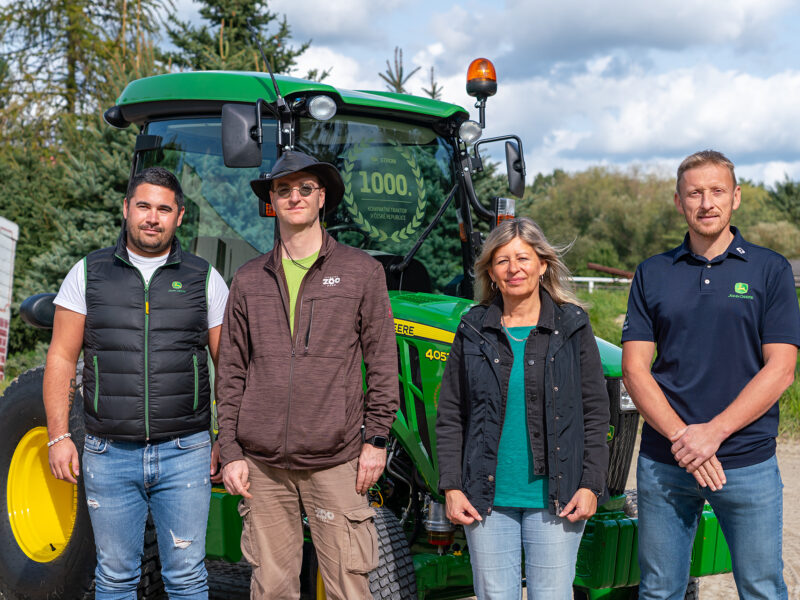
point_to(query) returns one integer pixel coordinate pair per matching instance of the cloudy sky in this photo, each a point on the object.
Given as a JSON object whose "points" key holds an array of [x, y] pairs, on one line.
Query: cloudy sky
{"points": [[587, 82]]}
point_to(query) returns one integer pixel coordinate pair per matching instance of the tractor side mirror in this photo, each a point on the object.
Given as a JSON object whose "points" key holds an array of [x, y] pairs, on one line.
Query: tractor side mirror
{"points": [[240, 148], [515, 167], [39, 311]]}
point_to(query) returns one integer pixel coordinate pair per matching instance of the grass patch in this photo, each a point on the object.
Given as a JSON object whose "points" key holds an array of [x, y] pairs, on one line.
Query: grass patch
{"points": [[606, 308]]}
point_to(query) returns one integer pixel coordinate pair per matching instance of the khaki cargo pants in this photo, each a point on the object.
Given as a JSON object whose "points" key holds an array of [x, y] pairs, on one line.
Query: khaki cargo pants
{"points": [[341, 524]]}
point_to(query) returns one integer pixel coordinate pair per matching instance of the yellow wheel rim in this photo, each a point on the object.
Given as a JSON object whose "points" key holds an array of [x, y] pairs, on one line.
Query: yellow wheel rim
{"points": [[41, 508], [320, 587]]}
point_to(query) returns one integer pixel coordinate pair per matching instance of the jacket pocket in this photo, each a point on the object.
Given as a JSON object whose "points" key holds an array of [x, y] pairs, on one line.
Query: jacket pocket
{"points": [[196, 381], [96, 383], [319, 417], [247, 541], [362, 541]]}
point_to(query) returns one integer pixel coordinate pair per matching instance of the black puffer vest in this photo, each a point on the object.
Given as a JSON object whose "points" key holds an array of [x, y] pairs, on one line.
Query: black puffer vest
{"points": [[145, 373]]}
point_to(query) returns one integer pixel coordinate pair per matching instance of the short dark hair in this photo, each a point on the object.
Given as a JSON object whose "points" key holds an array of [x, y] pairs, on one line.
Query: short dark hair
{"points": [[156, 176], [700, 159]]}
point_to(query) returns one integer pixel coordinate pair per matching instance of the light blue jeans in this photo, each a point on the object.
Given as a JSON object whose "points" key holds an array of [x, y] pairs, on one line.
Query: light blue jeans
{"points": [[551, 549], [171, 479], [750, 511]]}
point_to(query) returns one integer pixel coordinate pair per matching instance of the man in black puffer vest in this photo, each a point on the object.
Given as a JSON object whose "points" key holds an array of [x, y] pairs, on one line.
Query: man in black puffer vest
{"points": [[143, 312]]}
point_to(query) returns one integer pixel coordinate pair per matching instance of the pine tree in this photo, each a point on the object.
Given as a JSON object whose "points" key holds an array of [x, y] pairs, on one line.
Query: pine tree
{"points": [[58, 49], [225, 43], [395, 76], [435, 91]]}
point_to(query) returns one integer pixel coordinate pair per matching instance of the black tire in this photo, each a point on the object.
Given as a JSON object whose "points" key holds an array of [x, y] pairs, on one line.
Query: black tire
{"points": [[632, 510], [394, 577], [71, 575], [626, 426]]}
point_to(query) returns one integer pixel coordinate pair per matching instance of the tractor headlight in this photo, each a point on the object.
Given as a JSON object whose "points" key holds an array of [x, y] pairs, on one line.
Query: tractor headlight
{"points": [[625, 401], [469, 132], [322, 108]]}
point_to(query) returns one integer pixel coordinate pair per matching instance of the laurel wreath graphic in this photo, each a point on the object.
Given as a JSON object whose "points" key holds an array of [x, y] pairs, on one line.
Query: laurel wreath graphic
{"points": [[358, 217]]}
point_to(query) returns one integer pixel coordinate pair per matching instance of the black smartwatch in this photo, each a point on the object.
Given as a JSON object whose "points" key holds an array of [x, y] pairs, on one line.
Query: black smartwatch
{"points": [[378, 441]]}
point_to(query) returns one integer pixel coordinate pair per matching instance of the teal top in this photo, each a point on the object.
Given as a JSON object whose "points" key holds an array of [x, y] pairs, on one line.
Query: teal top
{"points": [[515, 483]]}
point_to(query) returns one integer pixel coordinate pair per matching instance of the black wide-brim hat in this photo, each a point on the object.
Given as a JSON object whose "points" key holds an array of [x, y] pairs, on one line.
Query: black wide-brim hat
{"points": [[292, 161]]}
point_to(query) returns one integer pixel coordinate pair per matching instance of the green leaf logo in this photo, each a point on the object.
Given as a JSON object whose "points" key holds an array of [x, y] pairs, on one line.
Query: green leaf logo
{"points": [[176, 285], [741, 288]]}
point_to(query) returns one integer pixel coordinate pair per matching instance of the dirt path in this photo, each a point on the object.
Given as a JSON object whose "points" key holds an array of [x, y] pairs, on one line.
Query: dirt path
{"points": [[722, 587]]}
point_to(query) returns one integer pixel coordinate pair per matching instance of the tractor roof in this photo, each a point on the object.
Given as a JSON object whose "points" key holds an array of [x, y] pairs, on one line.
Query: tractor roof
{"points": [[218, 87]]}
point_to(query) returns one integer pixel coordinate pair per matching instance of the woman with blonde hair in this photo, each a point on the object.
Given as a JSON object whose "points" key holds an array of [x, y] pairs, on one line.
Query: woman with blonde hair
{"points": [[523, 418]]}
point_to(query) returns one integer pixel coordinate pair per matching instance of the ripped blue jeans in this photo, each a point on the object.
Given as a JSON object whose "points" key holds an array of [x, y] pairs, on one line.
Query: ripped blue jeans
{"points": [[170, 478]]}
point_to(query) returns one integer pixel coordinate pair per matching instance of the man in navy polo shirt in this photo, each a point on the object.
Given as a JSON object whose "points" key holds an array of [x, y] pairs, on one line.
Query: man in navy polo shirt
{"points": [[723, 315]]}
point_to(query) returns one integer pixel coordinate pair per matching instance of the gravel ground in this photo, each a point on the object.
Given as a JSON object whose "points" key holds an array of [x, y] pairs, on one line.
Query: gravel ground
{"points": [[722, 587]]}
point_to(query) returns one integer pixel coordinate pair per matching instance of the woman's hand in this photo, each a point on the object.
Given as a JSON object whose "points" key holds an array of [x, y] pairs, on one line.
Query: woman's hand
{"points": [[459, 509], [582, 506]]}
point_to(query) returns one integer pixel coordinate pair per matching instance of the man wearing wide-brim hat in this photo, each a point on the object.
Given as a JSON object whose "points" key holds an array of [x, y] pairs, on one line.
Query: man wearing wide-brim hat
{"points": [[296, 429]]}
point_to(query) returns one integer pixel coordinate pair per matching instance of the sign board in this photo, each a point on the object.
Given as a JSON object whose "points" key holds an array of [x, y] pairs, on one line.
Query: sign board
{"points": [[9, 233]]}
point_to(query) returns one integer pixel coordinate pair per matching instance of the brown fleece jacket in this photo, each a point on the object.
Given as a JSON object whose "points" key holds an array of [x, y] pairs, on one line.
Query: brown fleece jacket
{"points": [[300, 403]]}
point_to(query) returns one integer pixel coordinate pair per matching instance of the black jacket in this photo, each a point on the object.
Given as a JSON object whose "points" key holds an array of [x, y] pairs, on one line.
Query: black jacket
{"points": [[566, 400], [145, 370]]}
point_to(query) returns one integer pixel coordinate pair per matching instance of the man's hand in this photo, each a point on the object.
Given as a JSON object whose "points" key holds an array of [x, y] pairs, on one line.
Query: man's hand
{"points": [[216, 474], [62, 456], [458, 509], [236, 477], [582, 506], [694, 445], [710, 474], [370, 466]]}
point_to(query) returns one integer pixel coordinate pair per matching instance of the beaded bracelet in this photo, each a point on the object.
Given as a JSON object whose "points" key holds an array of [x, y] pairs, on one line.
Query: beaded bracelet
{"points": [[58, 439]]}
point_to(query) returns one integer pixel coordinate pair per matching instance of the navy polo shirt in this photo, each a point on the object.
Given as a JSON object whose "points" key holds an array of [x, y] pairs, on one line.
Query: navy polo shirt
{"points": [[709, 320]]}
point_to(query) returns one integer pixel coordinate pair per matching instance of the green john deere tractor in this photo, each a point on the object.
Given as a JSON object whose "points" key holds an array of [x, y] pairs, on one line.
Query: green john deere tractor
{"points": [[408, 166]]}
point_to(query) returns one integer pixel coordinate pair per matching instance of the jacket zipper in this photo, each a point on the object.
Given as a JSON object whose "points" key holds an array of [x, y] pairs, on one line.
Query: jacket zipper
{"points": [[555, 434], [310, 321], [298, 311], [96, 382], [497, 352], [196, 382], [146, 339]]}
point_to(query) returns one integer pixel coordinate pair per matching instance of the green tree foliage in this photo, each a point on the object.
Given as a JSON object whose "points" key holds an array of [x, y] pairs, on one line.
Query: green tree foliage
{"points": [[618, 219], [435, 90], [58, 49], [225, 43], [396, 76], [786, 196]]}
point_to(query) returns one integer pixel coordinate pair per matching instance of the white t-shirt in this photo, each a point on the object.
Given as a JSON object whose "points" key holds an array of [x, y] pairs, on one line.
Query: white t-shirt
{"points": [[72, 294]]}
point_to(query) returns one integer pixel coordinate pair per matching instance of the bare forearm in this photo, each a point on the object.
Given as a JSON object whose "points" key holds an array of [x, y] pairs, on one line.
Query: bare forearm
{"points": [[59, 389], [651, 402], [755, 399]]}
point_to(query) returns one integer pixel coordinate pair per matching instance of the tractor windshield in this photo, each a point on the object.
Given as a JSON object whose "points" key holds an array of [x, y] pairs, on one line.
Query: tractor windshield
{"points": [[396, 177]]}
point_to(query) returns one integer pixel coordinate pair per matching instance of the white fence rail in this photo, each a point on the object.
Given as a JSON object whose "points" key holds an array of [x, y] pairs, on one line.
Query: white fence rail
{"points": [[601, 281]]}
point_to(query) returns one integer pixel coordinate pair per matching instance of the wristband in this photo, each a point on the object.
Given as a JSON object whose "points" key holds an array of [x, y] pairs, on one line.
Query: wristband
{"points": [[59, 438]]}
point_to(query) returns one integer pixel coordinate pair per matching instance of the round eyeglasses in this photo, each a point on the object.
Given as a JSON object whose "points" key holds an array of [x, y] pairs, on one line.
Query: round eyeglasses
{"points": [[305, 190]]}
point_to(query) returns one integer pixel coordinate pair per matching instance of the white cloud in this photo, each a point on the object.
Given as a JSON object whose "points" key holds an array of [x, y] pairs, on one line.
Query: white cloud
{"points": [[346, 72], [528, 37], [344, 21], [591, 119]]}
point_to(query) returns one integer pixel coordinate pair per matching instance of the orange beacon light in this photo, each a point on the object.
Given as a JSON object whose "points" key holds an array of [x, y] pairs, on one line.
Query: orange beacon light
{"points": [[481, 78]]}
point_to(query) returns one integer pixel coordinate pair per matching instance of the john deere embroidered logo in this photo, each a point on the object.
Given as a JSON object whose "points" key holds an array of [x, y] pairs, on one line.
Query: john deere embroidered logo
{"points": [[177, 286], [740, 291]]}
